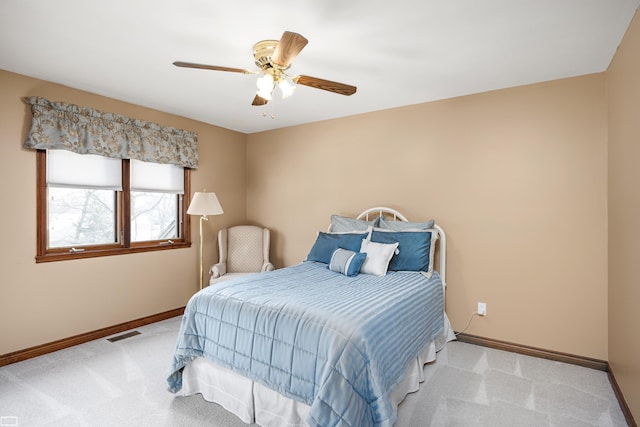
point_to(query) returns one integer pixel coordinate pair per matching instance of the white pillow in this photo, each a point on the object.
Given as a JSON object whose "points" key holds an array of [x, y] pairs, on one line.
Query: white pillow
{"points": [[378, 257]]}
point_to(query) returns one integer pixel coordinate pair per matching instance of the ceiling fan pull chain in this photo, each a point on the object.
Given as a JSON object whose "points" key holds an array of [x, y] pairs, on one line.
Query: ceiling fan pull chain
{"points": [[273, 108]]}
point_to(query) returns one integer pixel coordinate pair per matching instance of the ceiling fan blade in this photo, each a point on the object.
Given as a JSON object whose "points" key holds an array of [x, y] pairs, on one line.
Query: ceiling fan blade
{"points": [[212, 67], [335, 87], [288, 48], [258, 100]]}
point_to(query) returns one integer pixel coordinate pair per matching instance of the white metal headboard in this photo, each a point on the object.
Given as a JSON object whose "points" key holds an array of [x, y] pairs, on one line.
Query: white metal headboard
{"points": [[397, 216]]}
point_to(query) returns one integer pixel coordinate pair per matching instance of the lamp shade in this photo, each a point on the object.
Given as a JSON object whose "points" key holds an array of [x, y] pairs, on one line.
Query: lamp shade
{"points": [[205, 204]]}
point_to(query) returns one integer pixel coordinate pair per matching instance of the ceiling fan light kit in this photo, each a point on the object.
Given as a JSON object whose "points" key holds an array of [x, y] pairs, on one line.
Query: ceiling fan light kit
{"points": [[268, 80], [273, 57]]}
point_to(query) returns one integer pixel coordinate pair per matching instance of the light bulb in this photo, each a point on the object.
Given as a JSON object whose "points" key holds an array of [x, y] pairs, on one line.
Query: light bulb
{"points": [[286, 88], [265, 86], [265, 82]]}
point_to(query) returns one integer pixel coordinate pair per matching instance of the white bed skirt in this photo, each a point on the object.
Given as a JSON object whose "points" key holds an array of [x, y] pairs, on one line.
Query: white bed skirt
{"points": [[254, 403]]}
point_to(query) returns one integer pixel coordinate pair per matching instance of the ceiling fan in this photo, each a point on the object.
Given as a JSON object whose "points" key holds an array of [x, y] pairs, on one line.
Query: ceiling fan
{"points": [[274, 57]]}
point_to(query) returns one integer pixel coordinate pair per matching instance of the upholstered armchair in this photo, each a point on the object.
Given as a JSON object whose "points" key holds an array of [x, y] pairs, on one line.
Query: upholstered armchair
{"points": [[243, 249]]}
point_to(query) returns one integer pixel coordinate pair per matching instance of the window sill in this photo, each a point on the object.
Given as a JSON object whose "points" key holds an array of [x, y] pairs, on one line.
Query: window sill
{"points": [[95, 253]]}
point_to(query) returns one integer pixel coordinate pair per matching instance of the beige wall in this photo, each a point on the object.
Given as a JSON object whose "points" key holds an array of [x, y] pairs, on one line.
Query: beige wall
{"points": [[516, 177], [623, 81], [51, 301]]}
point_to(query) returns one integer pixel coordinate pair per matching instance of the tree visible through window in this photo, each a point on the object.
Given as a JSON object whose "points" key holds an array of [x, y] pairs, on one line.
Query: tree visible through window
{"points": [[153, 216], [79, 217]]}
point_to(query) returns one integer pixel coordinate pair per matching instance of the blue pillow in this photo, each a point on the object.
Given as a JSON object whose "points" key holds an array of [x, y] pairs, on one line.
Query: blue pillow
{"points": [[415, 249], [403, 225], [327, 243], [347, 262]]}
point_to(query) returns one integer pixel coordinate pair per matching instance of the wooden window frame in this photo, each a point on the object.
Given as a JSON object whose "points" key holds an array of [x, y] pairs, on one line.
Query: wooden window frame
{"points": [[123, 219]]}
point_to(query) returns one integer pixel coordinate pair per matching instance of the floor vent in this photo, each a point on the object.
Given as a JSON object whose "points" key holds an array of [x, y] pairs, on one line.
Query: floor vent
{"points": [[123, 336]]}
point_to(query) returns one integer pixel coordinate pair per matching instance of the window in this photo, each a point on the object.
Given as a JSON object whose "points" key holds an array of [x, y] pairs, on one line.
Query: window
{"points": [[155, 213], [92, 206]]}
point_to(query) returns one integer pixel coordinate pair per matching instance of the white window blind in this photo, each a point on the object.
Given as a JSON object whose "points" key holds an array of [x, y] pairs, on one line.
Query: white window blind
{"points": [[72, 170], [156, 178]]}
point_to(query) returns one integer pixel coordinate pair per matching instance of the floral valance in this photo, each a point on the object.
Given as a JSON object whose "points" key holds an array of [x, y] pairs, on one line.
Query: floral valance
{"points": [[83, 130]]}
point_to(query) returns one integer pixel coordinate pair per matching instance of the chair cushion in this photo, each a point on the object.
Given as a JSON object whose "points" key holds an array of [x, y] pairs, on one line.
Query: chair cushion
{"points": [[245, 249]]}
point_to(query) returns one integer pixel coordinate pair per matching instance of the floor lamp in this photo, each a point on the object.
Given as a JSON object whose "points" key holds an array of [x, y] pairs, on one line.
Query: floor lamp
{"points": [[204, 204]]}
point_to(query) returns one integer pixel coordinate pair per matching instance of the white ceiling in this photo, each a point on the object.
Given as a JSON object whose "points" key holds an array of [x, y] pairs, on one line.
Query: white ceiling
{"points": [[397, 53]]}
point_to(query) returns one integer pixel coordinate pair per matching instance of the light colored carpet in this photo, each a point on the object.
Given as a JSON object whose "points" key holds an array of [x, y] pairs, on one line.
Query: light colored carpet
{"points": [[123, 384]]}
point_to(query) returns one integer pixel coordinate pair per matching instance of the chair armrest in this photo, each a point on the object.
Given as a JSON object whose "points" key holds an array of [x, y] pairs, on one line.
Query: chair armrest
{"points": [[267, 266], [218, 269]]}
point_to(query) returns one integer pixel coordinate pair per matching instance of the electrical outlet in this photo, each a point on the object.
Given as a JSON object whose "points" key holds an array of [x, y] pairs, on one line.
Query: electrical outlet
{"points": [[482, 309]]}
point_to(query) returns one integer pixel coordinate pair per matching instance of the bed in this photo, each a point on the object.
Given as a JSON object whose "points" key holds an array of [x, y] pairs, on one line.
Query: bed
{"points": [[339, 339]]}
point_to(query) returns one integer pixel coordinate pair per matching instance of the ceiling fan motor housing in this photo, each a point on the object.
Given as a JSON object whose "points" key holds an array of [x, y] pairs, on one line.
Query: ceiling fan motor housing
{"points": [[263, 51]]}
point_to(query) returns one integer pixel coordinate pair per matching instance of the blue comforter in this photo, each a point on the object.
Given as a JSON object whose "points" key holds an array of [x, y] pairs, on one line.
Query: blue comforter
{"points": [[339, 344]]}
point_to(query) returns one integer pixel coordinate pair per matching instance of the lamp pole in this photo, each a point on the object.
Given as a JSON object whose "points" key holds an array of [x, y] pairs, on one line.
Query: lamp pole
{"points": [[202, 219], [204, 204]]}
